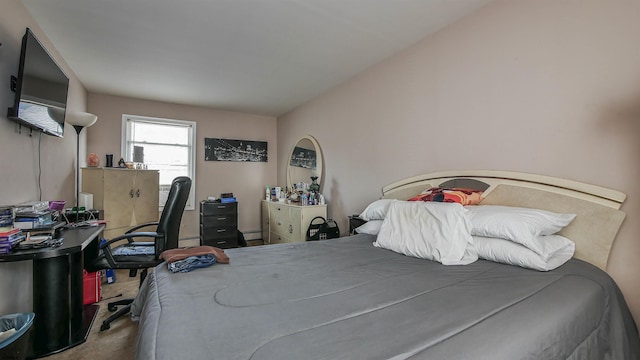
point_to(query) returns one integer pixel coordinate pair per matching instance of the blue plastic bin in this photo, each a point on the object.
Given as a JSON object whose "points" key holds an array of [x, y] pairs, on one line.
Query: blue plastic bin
{"points": [[15, 346]]}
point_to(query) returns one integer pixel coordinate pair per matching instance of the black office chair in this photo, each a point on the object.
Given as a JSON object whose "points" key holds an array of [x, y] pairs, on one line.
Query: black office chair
{"points": [[135, 255]]}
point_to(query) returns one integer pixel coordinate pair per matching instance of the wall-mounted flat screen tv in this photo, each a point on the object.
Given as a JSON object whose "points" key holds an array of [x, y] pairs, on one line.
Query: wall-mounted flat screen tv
{"points": [[41, 89]]}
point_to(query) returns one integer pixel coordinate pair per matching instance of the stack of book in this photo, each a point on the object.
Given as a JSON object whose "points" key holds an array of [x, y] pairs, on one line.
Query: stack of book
{"points": [[36, 223], [6, 218], [33, 220], [227, 198], [9, 239]]}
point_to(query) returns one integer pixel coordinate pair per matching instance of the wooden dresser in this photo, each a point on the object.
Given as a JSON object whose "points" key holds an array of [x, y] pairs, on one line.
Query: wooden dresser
{"points": [[283, 223], [219, 224], [127, 197]]}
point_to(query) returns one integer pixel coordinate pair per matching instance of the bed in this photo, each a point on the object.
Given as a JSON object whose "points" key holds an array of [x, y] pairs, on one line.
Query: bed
{"points": [[347, 299]]}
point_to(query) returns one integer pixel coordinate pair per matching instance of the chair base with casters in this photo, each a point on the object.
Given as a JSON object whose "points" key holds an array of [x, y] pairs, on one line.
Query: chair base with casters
{"points": [[137, 255], [143, 251], [124, 304], [113, 306]]}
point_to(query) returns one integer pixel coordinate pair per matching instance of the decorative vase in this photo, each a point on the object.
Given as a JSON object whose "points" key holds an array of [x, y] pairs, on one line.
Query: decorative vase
{"points": [[314, 187], [93, 160], [109, 160]]}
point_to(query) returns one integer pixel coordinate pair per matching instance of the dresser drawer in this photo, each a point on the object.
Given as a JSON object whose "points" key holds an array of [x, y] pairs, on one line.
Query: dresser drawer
{"points": [[278, 238], [279, 213], [209, 221], [223, 243], [282, 228], [215, 208], [285, 220], [217, 232]]}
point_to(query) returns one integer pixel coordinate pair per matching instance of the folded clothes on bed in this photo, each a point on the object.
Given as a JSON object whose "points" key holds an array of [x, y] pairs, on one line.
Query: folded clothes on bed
{"points": [[174, 255], [192, 263]]}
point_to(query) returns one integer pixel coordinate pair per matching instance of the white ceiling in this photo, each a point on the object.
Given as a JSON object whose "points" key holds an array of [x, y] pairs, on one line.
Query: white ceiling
{"points": [[257, 56]]}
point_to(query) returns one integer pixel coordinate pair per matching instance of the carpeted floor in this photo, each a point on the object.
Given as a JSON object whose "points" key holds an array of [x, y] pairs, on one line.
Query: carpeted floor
{"points": [[116, 343]]}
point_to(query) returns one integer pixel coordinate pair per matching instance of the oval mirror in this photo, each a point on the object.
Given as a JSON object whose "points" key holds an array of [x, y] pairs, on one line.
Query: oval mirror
{"points": [[305, 161]]}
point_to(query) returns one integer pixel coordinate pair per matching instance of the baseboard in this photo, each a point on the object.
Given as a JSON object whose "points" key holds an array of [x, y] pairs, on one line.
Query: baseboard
{"points": [[189, 242], [252, 235]]}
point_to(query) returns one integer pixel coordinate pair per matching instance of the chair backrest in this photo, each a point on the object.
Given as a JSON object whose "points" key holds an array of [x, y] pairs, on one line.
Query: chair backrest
{"points": [[169, 223]]}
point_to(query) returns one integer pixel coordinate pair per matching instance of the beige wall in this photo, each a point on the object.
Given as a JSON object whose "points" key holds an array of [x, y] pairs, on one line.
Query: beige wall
{"points": [[245, 179], [540, 86], [22, 154]]}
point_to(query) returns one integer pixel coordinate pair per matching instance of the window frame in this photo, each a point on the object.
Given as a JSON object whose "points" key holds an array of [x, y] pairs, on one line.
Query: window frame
{"points": [[191, 125]]}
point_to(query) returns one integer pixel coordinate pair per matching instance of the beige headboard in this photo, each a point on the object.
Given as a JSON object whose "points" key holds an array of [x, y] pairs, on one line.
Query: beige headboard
{"points": [[593, 230]]}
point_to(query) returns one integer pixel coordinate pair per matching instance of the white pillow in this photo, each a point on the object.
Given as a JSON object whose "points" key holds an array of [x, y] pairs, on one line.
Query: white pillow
{"points": [[558, 250], [371, 227], [521, 225], [376, 210], [428, 230]]}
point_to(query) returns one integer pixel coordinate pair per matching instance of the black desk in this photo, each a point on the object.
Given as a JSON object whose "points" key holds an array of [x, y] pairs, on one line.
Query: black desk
{"points": [[62, 320]]}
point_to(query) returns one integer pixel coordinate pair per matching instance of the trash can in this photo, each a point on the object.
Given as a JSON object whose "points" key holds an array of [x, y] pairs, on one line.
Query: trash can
{"points": [[14, 335]]}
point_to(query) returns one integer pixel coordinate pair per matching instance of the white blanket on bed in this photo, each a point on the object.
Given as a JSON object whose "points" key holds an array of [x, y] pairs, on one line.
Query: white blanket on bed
{"points": [[428, 230]]}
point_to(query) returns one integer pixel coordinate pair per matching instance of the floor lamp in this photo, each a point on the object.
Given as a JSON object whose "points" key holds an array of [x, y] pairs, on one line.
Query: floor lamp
{"points": [[79, 121]]}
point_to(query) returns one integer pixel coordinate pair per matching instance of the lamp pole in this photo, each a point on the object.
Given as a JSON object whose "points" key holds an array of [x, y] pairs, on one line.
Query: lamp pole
{"points": [[78, 130], [79, 121]]}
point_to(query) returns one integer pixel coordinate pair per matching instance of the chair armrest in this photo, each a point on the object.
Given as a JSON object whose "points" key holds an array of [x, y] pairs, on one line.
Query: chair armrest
{"points": [[129, 237], [142, 243], [106, 248], [140, 226]]}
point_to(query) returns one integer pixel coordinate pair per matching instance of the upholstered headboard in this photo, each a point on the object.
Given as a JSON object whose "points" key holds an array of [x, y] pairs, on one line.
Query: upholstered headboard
{"points": [[593, 230]]}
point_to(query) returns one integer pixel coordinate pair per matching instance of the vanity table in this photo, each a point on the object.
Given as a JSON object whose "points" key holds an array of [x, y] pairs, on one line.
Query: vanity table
{"points": [[284, 222]]}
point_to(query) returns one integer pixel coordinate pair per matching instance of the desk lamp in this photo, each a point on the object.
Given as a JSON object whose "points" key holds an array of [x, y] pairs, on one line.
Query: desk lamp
{"points": [[79, 121]]}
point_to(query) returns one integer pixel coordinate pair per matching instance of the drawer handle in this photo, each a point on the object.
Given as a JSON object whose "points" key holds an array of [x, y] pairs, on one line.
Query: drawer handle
{"points": [[279, 223], [222, 206], [278, 209], [222, 218], [221, 242], [222, 230], [290, 229]]}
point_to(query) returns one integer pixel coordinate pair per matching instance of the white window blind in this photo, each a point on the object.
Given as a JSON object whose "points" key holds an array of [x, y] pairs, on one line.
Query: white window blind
{"points": [[167, 146]]}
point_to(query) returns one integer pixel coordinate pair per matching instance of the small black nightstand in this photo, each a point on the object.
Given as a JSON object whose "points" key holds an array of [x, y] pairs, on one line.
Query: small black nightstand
{"points": [[219, 224], [354, 222]]}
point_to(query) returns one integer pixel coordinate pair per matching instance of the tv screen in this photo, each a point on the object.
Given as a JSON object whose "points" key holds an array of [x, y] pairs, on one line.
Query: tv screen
{"points": [[41, 89]]}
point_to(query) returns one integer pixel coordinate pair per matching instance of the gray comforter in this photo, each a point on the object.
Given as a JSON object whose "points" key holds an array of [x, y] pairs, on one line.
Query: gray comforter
{"points": [[345, 299]]}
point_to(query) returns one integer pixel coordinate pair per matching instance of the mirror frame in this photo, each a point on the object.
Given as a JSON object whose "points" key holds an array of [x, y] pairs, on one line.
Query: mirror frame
{"points": [[319, 161]]}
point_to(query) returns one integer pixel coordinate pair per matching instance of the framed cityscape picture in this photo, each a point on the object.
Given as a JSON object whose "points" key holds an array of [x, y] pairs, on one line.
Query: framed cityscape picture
{"points": [[304, 158], [216, 149]]}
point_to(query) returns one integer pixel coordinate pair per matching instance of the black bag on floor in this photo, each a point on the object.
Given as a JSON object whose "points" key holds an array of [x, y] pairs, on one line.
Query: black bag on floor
{"points": [[321, 229], [241, 240]]}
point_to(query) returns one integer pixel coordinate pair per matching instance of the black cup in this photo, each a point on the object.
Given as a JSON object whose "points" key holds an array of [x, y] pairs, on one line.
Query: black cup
{"points": [[109, 160]]}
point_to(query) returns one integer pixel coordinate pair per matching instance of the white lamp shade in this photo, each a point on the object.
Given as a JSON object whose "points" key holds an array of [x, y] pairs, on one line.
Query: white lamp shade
{"points": [[82, 119]]}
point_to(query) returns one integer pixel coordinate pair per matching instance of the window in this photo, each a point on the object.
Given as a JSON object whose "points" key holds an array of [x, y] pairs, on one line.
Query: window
{"points": [[165, 145]]}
